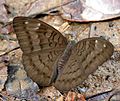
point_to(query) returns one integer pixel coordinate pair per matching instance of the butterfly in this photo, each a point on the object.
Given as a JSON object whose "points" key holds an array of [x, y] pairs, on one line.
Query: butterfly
{"points": [[50, 59]]}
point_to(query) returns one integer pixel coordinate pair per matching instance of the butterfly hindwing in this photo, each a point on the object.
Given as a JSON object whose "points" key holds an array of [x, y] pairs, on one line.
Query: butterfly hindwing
{"points": [[42, 45], [85, 58]]}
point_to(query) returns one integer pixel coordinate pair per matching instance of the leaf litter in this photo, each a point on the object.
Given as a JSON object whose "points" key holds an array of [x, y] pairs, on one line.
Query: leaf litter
{"points": [[20, 86]]}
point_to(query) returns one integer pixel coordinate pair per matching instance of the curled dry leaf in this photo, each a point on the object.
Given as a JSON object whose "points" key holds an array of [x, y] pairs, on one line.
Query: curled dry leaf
{"points": [[31, 7], [91, 10]]}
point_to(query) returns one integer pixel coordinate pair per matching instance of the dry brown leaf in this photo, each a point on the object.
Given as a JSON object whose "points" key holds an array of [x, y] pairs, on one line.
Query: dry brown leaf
{"points": [[19, 85], [91, 10]]}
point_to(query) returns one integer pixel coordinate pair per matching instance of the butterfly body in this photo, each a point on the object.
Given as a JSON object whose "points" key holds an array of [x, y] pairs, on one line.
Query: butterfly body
{"points": [[50, 60]]}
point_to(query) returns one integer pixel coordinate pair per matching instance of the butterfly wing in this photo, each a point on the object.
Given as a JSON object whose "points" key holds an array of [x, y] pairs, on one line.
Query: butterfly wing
{"points": [[42, 45], [85, 58]]}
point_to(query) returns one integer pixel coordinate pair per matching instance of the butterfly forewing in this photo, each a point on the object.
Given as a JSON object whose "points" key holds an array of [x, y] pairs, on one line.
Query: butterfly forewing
{"points": [[42, 45], [85, 58]]}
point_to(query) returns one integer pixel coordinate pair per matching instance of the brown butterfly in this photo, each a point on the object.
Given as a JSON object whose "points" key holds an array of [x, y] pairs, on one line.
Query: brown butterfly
{"points": [[50, 60]]}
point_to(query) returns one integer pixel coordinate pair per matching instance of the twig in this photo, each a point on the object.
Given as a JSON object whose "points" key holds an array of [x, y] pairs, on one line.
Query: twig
{"points": [[115, 92], [99, 96], [9, 51]]}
